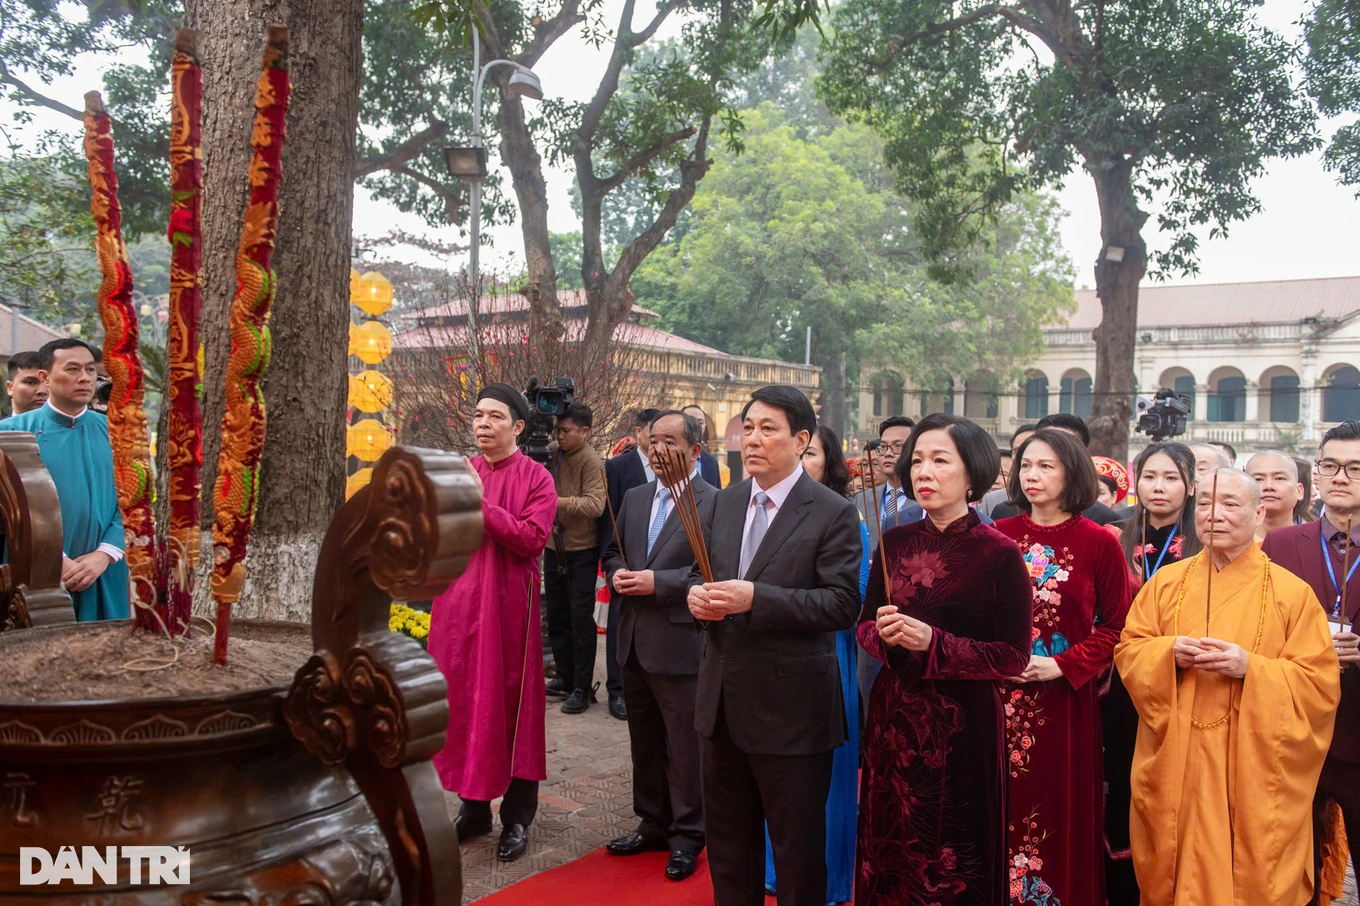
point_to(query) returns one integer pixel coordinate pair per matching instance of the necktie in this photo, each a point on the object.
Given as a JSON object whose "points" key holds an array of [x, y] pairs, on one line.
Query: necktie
{"points": [[889, 502], [756, 533], [659, 521]]}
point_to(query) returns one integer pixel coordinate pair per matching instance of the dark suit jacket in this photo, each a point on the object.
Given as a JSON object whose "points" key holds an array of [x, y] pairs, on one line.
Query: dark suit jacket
{"points": [[622, 473], [774, 668], [708, 469], [1298, 549], [659, 626]]}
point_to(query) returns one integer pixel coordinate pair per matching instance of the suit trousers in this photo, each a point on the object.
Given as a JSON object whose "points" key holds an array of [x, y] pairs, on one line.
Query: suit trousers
{"points": [[519, 805], [667, 796], [742, 791], [571, 614], [1340, 780], [613, 675]]}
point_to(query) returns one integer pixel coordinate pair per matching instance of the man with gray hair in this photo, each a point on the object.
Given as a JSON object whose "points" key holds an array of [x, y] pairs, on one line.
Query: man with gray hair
{"points": [[1207, 458], [1277, 475], [659, 653]]}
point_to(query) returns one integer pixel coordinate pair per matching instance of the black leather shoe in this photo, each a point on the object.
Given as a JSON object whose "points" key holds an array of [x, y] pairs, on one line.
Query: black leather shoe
{"points": [[467, 828], [558, 688], [681, 865], [617, 708], [636, 843], [514, 841], [577, 703]]}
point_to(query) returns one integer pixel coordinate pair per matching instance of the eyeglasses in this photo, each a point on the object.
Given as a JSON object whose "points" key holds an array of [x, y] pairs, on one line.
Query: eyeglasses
{"points": [[893, 448], [1330, 467]]}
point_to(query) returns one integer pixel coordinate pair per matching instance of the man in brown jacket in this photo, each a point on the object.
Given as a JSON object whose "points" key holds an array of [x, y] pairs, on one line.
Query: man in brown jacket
{"points": [[571, 560]]}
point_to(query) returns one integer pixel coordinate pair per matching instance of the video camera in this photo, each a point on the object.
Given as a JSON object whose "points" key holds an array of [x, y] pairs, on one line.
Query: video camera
{"points": [[546, 405], [1163, 416]]}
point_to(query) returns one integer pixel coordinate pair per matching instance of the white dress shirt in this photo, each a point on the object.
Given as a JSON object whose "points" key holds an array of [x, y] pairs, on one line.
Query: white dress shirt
{"points": [[777, 494]]}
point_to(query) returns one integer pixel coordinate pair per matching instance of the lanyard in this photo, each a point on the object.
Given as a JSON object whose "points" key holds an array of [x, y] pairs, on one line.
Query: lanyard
{"points": [[1331, 573], [1165, 547]]}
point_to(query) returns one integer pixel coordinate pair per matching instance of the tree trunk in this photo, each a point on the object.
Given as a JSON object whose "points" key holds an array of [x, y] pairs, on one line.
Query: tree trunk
{"points": [[302, 476], [1121, 223], [833, 388], [526, 173]]}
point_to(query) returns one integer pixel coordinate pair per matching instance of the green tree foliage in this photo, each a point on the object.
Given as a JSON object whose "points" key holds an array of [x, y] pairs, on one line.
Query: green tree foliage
{"points": [[800, 232], [46, 267], [1172, 107], [1333, 67]]}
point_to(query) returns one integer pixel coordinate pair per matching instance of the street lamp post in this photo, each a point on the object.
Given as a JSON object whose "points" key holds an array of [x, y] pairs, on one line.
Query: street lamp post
{"points": [[469, 165]]}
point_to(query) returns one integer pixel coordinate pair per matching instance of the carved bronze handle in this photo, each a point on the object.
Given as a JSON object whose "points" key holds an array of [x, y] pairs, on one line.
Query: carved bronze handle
{"points": [[370, 698], [30, 580]]}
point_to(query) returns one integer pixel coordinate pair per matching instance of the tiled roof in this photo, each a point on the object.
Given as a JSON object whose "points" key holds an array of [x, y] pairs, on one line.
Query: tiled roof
{"points": [[501, 304], [1266, 302], [632, 334], [31, 333]]}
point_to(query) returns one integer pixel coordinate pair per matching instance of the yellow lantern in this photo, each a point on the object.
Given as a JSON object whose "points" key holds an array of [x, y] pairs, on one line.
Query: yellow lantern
{"points": [[357, 481], [375, 294], [367, 440], [371, 341], [353, 285], [370, 391]]}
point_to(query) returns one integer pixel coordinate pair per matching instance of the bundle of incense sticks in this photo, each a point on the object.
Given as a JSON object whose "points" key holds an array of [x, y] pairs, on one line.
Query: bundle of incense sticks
{"points": [[1213, 518], [873, 505], [1345, 575], [674, 474]]}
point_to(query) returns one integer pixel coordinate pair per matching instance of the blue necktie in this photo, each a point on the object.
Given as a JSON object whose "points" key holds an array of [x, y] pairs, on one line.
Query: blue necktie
{"points": [[659, 521]]}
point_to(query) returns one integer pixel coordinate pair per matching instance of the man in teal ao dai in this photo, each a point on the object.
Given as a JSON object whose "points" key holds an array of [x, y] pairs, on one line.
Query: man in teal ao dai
{"points": [[74, 445]]}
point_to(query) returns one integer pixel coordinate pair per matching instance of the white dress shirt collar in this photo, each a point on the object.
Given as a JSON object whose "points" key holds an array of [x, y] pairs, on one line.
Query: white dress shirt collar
{"points": [[780, 491], [646, 464]]}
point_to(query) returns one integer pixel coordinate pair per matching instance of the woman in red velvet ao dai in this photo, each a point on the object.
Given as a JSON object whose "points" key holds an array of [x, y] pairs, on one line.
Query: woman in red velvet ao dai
{"points": [[932, 793], [1055, 813]]}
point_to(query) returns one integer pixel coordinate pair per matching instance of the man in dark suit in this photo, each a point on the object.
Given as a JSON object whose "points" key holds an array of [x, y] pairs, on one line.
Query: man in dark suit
{"points": [[622, 473], [659, 654], [785, 552], [1316, 553], [708, 465]]}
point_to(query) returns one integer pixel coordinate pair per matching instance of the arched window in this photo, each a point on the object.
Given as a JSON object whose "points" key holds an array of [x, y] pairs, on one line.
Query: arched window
{"points": [[1279, 399], [887, 394], [1341, 395], [1036, 395], [1074, 393], [980, 396], [1227, 396]]}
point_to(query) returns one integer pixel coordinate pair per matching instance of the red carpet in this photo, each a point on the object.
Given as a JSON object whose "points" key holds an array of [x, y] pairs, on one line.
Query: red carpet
{"points": [[600, 878]]}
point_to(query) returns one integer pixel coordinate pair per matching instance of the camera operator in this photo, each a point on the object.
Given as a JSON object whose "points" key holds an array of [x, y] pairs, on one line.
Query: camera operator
{"points": [[569, 564]]}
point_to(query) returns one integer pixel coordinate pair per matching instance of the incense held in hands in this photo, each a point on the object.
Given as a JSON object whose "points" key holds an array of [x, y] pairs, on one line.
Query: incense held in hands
{"points": [[674, 475], [878, 524], [1209, 585]]}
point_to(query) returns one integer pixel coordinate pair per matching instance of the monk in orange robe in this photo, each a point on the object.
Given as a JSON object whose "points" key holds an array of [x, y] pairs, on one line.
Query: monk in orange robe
{"points": [[1235, 717]]}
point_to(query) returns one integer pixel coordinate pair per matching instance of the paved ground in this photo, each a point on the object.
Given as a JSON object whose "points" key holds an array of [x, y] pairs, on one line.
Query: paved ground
{"points": [[585, 802]]}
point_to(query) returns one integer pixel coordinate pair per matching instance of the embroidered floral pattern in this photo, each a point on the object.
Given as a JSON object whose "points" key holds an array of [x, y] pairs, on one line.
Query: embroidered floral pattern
{"points": [[918, 571], [1027, 888], [1149, 553], [1023, 718], [1047, 569]]}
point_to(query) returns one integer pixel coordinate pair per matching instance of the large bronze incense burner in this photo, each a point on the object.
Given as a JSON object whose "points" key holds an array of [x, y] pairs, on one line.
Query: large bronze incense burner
{"points": [[318, 792]]}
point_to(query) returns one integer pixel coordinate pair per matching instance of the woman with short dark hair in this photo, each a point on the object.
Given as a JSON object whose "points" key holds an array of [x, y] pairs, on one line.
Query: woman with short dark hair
{"points": [[955, 623], [1055, 828]]}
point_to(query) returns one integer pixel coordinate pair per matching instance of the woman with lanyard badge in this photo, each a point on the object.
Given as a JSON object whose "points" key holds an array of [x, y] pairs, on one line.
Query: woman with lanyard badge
{"points": [[1160, 531]]}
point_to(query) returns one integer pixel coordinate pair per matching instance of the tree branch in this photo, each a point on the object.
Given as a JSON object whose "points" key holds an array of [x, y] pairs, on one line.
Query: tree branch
{"points": [[35, 97], [691, 171], [609, 82], [453, 199], [638, 161], [665, 10], [403, 153], [546, 33]]}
